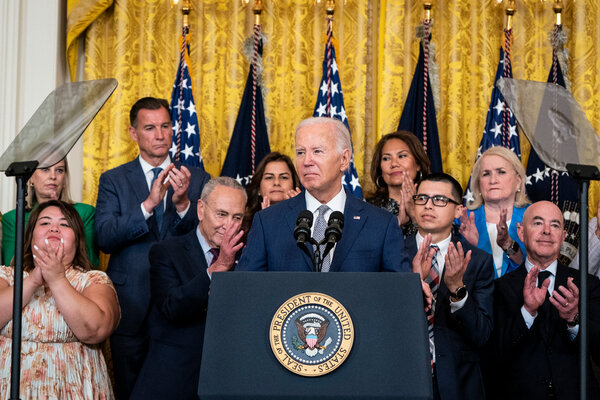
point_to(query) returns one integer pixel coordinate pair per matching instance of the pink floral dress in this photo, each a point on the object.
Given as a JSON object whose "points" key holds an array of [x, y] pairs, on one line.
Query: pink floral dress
{"points": [[54, 363]]}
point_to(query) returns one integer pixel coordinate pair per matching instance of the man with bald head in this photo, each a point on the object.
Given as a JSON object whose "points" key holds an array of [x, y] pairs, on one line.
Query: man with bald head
{"points": [[536, 312], [371, 239]]}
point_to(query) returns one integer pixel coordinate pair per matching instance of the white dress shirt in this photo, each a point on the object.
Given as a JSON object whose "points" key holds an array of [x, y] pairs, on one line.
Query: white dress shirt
{"points": [[149, 174]]}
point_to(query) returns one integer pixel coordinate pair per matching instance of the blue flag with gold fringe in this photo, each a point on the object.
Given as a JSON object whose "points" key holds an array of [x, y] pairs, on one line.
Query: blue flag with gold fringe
{"points": [[249, 142], [418, 115]]}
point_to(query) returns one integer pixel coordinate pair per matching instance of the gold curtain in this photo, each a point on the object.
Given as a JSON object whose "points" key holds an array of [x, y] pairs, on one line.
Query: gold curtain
{"points": [[135, 41]]}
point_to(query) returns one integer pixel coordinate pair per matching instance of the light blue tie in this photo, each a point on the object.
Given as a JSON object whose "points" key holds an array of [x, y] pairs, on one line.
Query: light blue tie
{"points": [[319, 234], [159, 210]]}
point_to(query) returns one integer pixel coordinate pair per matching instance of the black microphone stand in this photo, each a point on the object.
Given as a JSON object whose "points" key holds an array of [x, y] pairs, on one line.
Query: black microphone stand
{"points": [[22, 171]]}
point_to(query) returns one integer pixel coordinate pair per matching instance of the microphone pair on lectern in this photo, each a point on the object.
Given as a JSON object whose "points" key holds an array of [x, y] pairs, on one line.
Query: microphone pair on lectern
{"points": [[333, 232]]}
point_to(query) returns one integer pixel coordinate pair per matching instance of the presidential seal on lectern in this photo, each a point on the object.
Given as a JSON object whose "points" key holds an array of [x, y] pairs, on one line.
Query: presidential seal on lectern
{"points": [[311, 334]]}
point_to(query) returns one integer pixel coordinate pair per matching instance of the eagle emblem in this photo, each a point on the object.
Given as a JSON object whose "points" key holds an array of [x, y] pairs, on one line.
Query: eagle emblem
{"points": [[312, 329]]}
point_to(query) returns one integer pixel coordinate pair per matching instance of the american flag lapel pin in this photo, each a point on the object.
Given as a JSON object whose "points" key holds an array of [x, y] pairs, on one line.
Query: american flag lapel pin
{"points": [[356, 217]]}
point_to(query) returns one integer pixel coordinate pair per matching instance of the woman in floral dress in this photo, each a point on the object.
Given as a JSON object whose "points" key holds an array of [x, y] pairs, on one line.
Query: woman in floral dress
{"points": [[68, 310]]}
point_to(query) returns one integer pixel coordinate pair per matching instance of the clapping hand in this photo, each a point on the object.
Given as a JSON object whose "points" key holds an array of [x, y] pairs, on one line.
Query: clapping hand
{"points": [[534, 296], [566, 300], [48, 258], [467, 227], [422, 260]]}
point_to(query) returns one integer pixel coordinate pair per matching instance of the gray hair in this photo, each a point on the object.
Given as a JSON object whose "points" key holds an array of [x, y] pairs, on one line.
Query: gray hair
{"points": [[342, 134], [223, 181]]}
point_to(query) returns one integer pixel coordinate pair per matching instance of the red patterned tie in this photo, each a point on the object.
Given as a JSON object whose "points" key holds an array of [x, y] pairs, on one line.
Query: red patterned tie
{"points": [[434, 283]]}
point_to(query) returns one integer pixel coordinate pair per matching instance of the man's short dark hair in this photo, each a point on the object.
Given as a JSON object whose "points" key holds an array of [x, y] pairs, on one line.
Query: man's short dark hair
{"points": [[457, 191], [146, 103]]}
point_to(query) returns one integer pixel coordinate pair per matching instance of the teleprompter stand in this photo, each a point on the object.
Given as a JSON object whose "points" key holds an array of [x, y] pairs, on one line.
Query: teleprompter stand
{"points": [[45, 140], [560, 133]]}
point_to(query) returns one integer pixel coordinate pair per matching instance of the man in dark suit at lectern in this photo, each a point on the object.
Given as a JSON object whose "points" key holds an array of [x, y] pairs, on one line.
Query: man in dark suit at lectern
{"points": [[536, 336], [180, 278], [462, 282], [371, 239]]}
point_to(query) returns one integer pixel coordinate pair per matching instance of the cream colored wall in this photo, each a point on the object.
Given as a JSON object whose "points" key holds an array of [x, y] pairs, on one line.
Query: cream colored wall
{"points": [[32, 64]]}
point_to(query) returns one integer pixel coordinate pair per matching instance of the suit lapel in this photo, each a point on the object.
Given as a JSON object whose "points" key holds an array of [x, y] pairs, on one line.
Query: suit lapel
{"points": [[354, 220], [137, 180], [196, 263], [296, 205]]}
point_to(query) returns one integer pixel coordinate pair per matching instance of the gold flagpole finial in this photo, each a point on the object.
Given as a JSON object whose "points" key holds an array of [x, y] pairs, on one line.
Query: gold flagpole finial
{"points": [[557, 7], [330, 7], [257, 10], [510, 10], [427, 8], [186, 7]]}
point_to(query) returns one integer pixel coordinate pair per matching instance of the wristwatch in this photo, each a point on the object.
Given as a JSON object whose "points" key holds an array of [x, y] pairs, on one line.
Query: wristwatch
{"points": [[512, 249], [460, 293], [575, 321]]}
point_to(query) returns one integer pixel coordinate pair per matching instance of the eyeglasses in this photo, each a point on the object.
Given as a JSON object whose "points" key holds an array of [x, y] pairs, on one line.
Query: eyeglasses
{"points": [[438, 200]]}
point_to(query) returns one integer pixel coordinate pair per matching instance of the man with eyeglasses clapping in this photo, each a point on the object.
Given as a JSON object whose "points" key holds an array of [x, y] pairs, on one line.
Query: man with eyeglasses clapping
{"points": [[461, 280]]}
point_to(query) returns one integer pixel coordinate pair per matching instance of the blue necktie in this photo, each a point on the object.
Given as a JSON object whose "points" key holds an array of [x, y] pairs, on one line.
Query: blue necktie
{"points": [[159, 210]]}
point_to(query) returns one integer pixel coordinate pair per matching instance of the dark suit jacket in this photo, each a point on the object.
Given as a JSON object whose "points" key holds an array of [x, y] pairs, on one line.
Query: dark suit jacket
{"points": [[180, 287], [460, 336], [525, 360], [122, 232], [371, 240]]}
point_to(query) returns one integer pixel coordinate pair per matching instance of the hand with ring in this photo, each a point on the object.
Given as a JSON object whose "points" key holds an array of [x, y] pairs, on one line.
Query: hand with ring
{"points": [[566, 300]]}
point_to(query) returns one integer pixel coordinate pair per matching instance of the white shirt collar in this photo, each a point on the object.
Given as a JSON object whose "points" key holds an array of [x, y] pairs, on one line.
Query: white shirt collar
{"points": [[337, 203], [146, 167], [550, 268], [443, 245]]}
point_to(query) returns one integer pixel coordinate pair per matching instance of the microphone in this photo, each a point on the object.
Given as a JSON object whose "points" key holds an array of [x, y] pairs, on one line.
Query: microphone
{"points": [[333, 233], [303, 225]]}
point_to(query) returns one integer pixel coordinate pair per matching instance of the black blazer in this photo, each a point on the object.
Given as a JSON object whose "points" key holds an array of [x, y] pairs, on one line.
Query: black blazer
{"points": [[460, 336], [180, 286], [525, 360]]}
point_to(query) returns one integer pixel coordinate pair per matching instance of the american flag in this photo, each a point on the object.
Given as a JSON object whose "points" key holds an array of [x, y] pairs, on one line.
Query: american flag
{"points": [[186, 137], [500, 124], [249, 141], [418, 115], [330, 103]]}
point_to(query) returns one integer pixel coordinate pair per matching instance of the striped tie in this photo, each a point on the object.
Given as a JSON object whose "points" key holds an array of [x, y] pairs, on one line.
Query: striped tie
{"points": [[434, 283]]}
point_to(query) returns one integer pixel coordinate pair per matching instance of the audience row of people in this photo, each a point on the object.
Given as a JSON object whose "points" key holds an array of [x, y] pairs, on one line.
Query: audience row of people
{"points": [[168, 227]]}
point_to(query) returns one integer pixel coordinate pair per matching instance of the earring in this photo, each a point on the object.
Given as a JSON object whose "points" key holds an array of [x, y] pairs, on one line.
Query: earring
{"points": [[379, 184], [419, 176]]}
